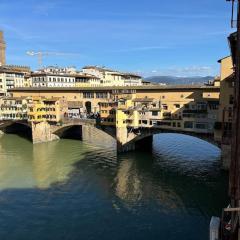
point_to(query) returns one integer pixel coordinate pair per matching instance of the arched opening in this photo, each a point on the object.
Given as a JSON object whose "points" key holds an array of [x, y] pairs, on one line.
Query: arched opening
{"points": [[146, 143], [88, 106], [70, 132], [20, 129]]}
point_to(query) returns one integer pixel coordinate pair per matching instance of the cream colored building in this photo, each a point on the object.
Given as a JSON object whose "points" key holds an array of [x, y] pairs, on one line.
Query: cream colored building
{"points": [[12, 76], [87, 80], [13, 108], [111, 77]]}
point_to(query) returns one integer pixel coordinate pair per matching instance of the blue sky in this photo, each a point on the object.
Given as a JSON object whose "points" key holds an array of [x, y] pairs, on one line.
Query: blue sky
{"points": [[151, 37]]}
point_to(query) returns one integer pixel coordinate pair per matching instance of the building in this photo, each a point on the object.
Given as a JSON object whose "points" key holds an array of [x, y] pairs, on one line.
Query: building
{"points": [[87, 80], [47, 109], [14, 108], [111, 77], [197, 114], [185, 108], [12, 76], [2, 50], [75, 109], [54, 77], [225, 116], [107, 111]]}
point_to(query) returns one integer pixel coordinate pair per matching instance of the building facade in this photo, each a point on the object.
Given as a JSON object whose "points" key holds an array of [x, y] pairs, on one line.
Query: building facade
{"points": [[225, 115], [87, 80], [111, 77], [182, 108], [12, 76]]}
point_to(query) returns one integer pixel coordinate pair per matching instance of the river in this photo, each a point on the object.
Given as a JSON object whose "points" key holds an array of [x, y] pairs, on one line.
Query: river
{"points": [[72, 190]]}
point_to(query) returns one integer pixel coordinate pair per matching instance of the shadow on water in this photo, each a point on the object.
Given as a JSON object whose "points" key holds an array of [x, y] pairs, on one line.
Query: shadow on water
{"points": [[71, 190]]}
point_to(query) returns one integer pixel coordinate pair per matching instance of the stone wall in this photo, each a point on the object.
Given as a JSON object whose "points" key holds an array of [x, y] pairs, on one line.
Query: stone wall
{"points": [[96, 136], [41, 132]]}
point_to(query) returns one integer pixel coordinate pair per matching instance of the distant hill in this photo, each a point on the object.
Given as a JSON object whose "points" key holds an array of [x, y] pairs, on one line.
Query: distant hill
{"points": [[171, 80]]}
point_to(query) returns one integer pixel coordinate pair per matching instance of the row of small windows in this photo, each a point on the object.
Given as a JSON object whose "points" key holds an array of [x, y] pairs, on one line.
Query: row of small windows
{"points": [[187, 124], [52, 79], [91, 95]]}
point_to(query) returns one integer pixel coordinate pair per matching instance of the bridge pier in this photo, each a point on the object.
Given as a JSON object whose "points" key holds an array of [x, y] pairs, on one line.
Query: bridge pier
{"points": [[128, 141], [41, 132]]}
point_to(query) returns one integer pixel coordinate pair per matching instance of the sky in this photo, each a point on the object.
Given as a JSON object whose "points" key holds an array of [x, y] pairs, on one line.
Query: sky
{"points": [[149, 37]]}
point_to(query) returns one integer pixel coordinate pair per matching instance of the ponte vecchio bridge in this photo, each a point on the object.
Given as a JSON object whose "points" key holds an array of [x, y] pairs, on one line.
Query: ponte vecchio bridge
{"points": [[132, 115]]}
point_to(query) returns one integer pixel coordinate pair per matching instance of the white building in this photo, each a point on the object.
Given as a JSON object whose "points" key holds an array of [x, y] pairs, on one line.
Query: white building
{"points": [[111, 77], [54, 77], [12, 76]]}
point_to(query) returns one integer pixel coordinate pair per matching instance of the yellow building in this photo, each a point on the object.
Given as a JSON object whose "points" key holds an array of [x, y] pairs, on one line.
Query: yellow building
{"points": [[50, 110], [107, 111], [176, 111], [224, 122]]}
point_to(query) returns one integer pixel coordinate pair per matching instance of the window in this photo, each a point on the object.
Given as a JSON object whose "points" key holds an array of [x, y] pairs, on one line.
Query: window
{"points": [[201, 125], [165, 107], [230, 112], [188, 124], [88, 95], [201, 106], [177, 105], [101, 95], [231, 99], [174, 124], [155, 113], [179, 124]]}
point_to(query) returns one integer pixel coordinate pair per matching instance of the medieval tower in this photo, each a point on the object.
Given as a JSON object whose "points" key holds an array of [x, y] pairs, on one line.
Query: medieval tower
{"points": [[2, 50]]}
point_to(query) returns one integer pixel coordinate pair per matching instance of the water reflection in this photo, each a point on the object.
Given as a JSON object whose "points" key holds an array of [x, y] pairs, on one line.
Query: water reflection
{"points": [[24, 165], [78, 191]]}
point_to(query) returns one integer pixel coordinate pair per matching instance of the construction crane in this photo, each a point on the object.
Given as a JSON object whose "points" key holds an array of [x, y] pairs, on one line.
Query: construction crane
{"points": [[40, 55]]}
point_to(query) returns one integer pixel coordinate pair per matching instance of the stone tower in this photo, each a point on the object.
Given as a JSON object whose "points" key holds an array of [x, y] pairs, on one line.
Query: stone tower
{"points": [[2, 50]]}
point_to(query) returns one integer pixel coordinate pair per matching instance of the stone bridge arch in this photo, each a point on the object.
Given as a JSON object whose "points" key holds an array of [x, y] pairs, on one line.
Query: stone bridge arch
{"points": [[22, 128], [142, 138]]}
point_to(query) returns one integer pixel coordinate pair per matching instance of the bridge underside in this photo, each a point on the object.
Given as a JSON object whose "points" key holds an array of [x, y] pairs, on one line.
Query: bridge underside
{"points": [[16, 127], [132, 139], [70, 132]]}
